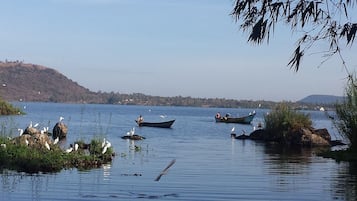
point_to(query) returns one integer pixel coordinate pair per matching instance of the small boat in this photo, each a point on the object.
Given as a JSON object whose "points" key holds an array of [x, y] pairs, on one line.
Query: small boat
{"points": [[164, 124], [133, 137], [239, 120]]}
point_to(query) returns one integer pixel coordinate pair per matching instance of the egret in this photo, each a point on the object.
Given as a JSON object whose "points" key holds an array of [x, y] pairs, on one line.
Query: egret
{"points": [[36, 125], [164, 171], [105, 148], [56, 140], [131, 132], [108, 144], [70, 149], [21, 131], [103, 143], [76, 147], [61, 119], [232, 131], [47, 146], [163, 116]]}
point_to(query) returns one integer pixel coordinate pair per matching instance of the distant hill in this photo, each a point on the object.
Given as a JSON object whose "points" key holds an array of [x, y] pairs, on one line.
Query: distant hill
{"points": [[30, 82], [321, 99], [35, 83]]}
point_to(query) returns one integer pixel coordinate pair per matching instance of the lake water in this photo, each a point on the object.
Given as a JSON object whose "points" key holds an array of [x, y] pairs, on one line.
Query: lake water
{"points": [[209, 164]]}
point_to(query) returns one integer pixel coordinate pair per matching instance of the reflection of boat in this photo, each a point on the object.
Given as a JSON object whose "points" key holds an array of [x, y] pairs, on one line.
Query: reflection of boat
{"points": [[164, 124], [240, 120]]}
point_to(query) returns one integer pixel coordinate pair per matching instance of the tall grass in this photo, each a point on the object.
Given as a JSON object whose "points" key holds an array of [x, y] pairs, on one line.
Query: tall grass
{"points": [[347, 115], [8, 109], [283, 119], [36, 159]]}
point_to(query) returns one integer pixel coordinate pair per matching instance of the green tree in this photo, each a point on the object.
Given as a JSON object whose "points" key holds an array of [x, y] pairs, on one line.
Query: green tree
{"points": [[316, 20]]}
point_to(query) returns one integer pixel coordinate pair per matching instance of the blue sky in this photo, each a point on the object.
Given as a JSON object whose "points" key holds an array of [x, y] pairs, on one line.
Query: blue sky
{"points": [[162, 47]]}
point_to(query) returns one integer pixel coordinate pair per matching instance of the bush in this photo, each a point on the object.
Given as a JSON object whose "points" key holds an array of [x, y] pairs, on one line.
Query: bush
{"points": [[7, 109], [282, 120], [32, 160], [347, 115]]}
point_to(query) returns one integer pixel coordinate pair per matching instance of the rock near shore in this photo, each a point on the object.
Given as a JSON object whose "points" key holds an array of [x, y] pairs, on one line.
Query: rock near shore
{"points": [[304, 137]]}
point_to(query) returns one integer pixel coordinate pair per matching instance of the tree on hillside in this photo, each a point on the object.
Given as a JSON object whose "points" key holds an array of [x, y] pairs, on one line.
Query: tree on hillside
{"points": [[317, 20]]}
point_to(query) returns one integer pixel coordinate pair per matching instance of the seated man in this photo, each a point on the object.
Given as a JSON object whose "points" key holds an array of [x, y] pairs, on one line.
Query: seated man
{"points": [[140, 119]]}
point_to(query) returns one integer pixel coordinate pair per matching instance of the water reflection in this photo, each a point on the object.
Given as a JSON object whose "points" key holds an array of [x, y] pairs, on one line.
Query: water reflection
{"points": [[291, 167], [106, 171], [345, 181], [14, 181]]}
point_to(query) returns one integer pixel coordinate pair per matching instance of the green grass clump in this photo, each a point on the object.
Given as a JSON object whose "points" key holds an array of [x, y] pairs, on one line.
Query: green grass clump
{"points": [[8, 109], [283, 119], [346, 112], [38, 159]]}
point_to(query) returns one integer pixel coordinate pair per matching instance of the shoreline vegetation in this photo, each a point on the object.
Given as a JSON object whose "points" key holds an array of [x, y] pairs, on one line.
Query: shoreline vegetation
{"points": [[34, 159], [8, 109], [29, 153]]}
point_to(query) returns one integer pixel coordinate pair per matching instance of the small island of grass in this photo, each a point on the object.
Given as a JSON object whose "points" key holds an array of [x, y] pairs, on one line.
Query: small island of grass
{"points": [[33, 159], [8, 109]]}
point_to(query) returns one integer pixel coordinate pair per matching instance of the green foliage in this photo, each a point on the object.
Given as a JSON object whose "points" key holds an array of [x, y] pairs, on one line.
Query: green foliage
{"points": [[32, 160], [282, 119], [324, 20], [347, 115], [7, 109]]}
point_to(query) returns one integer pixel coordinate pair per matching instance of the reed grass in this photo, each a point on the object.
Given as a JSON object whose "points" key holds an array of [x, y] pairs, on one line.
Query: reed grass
{"points": [[35, 159], [283, 118]]}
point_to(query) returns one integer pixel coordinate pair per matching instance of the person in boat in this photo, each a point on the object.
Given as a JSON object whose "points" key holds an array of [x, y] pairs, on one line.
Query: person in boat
{"points": [[218, 115], [140, 119]]}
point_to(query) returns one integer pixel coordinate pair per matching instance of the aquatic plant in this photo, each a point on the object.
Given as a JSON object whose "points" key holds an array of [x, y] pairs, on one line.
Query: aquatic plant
{"points": [[346, 112], [36, 159], [8, 109], [283, 119]]}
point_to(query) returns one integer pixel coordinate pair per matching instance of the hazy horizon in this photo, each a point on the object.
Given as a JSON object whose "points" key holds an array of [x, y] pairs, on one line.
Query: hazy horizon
{"points": [[164, 48]]}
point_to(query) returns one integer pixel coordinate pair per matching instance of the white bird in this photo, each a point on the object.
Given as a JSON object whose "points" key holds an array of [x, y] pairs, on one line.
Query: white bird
{"points": [[36, 125], [76, 147], [108, 144], [30, 125], [27, 142], [131, 132], [105, 148], [103, 143], [47, 146], [232, 131], [56, 140], [163, 116], [44, 130], [61, 119], [21, 131], [69, 150], [3, 146]]}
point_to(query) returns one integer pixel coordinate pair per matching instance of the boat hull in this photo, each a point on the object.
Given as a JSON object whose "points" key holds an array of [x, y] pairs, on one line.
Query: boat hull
{"points": [[238, 120], [165, 124]]}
